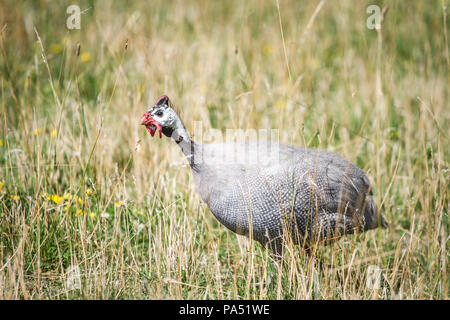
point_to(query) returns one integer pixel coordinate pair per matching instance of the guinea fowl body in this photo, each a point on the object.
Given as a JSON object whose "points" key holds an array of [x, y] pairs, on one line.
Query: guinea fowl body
{"points": [[274, 192], [309, 195]]}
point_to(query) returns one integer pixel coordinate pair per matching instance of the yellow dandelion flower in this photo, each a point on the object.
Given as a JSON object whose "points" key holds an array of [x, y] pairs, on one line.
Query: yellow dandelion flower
{"points": [[1, 143], [15, 197], [267, 49], [119, 203], [85, 57], [90, 192], [80, 212], [2, 184], [280, 104], [92, 214], [53, 133], [55, 48], [56, 199], [80, 201]]}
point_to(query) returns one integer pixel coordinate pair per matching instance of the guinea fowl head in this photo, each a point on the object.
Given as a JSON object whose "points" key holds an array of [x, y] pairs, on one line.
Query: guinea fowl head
{"points": [[161, 117]]}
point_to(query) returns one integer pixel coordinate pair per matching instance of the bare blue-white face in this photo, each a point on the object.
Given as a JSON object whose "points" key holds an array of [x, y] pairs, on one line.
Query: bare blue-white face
{"points": [[160, 117]]}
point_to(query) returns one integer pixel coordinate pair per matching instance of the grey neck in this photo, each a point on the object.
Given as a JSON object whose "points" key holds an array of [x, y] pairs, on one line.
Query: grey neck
{"points": [[181, 137], [180, 133]]}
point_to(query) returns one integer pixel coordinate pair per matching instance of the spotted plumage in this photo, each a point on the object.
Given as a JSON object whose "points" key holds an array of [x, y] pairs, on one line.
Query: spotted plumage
{"points": [[274, 192]]}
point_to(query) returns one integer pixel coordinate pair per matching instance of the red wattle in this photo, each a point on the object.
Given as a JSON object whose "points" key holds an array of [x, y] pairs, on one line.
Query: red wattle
{"points": [[158, 126], [149, 122]]}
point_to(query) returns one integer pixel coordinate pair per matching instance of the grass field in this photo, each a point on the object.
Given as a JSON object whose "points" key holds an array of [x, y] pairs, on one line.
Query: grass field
{"points": [[86, 191]]}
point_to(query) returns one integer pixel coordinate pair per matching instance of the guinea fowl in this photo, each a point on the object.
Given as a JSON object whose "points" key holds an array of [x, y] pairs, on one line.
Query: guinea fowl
{"points": [[308, 196]]}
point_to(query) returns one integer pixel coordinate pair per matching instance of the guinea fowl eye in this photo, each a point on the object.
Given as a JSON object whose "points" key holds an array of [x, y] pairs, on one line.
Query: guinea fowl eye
{"points": [[159, 113]]}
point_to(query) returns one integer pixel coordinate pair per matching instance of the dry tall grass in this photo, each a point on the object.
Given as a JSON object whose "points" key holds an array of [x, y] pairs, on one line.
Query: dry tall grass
{"points": [[80, 190]]}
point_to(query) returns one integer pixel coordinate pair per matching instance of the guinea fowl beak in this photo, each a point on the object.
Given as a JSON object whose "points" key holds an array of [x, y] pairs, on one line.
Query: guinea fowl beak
{"points": [[145, 118], [151, 124]]}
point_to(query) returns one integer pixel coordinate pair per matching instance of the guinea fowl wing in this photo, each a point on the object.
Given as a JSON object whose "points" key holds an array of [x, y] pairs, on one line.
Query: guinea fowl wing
{"points": [[308, 193]]}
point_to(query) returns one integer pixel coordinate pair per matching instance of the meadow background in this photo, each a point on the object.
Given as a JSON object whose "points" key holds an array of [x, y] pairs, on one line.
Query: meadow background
{"points": [[85, 189]]}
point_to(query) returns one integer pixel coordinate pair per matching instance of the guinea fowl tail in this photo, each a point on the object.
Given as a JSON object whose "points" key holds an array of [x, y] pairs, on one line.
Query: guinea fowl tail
{"points": [[372, 218]]}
